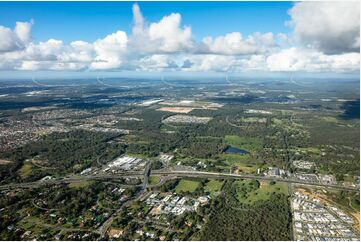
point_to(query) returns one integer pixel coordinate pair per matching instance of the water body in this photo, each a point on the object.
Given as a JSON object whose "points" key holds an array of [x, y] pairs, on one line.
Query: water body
{"points": [[233, 150]]}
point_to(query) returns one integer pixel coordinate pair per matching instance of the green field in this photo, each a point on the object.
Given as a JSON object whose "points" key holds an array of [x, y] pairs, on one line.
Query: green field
{"points": [[154, 180], [79, 184], [330, 119], [245, 163], [249, 144], [186, 186], [25, 170], [32, 223], [248, 192], [213, 187]]}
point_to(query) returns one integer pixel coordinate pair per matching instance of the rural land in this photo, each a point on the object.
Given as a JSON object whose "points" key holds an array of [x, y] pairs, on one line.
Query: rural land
{"points": [[180, 159]]}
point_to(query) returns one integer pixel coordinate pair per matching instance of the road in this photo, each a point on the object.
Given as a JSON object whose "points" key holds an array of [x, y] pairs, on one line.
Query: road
{"points": [[242, 176], [102, 230], [170, 173], [146, 174], [234, 125], [290, 193]]}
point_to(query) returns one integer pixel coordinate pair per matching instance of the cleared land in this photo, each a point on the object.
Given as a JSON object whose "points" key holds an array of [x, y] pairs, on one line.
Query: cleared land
{"points": [[213, 187], [249, 144], [25, 170], [254, 120], [242, 163], [176, 109], [79, 184], [154, 180], [4, 162], [186, 186], [187, 119], [249, 191]]}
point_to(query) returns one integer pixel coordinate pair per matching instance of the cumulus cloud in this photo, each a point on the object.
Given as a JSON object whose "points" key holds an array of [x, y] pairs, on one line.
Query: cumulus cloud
{"points": [[211, 62], [235, 44], [109, 51], [16, 39], [156, 63], [50, 55], [168, 45], [169, 35], [165, 36], [138, 26], [286, 60], [332, 27], [296, 59]]}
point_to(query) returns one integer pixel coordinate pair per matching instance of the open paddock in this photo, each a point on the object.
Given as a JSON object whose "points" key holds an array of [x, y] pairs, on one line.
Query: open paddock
{"points": [[175, 109]]}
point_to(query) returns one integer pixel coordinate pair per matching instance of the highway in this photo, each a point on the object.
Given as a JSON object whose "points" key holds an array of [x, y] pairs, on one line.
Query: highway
{"points": [[146, 174], [169, 173], [242, 176]]}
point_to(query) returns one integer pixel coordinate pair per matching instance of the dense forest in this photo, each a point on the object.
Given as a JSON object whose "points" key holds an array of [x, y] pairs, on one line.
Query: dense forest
{"points": [[263, 220], [61, 152]]}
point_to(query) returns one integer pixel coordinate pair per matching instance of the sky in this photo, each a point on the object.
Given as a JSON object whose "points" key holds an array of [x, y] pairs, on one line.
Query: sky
{"points": [[179, 37], [71, 20]]}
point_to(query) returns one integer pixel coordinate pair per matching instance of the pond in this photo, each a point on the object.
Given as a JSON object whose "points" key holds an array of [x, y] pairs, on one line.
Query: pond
{"points": [[233, 150]]}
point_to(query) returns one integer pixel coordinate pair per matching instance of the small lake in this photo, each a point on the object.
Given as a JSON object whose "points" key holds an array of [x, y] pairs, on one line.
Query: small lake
{"points": [[233, 150]]}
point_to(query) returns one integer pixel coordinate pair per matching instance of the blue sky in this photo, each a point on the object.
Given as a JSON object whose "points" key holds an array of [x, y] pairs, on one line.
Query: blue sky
{"points": [[180, 37], [92, 20]]}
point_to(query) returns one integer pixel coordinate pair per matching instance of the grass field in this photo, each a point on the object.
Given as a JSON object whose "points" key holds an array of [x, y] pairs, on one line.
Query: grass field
{"points": [[213, 187], [330, 119], [25, 170], [313, 150], [31, 223], [154, 180], [186, 186], [249, 144], [262, 193], [245, 163], [79, 184]]}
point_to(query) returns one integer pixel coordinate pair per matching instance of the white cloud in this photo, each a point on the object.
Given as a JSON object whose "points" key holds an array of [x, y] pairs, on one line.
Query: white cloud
{"points": [[109, 51], [295, 59], [286, 60], [167, 45], [230, 44], [208, 62], [169, 35], [235, 44], [78, 51], [253, 63], [16, 39], [138, 26], [50, 55], [156, 63], [332, 27], [23, 31], [165, 36]]}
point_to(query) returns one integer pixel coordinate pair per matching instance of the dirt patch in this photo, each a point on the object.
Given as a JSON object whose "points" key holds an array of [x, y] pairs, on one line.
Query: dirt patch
{"points": [[115, 233], [4, 162], [176, 109], [263, 184], [41, 164]]}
